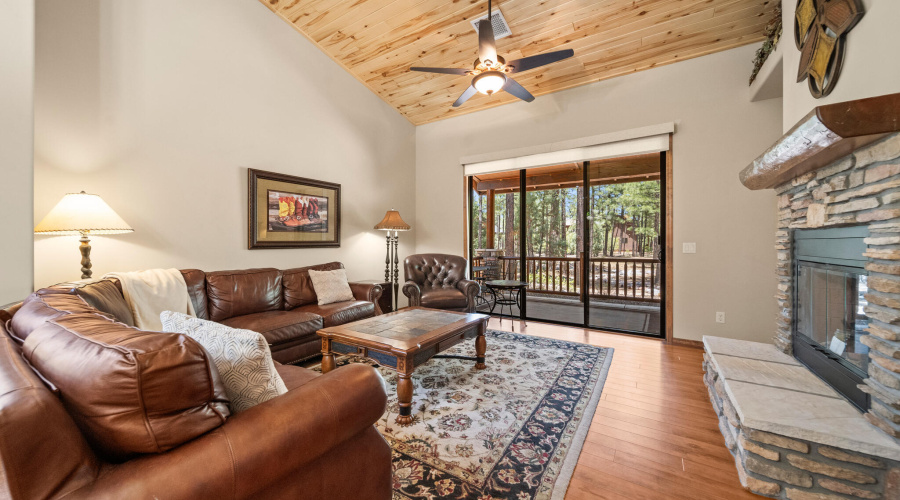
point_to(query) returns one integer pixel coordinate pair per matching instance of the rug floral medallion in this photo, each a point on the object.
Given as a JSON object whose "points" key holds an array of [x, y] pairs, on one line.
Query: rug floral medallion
{"points": [[511, 431]]}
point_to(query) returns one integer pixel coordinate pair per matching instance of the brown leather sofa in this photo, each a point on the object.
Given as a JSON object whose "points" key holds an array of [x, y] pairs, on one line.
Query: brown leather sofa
{"points": [[438, 281], [281, 305], [92, 408]]}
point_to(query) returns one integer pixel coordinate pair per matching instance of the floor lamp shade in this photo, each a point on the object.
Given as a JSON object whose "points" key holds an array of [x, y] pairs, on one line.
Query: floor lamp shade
{"points": [[392, 222], [82, 214]]}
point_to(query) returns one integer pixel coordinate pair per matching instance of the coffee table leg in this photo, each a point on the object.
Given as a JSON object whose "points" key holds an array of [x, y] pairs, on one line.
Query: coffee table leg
{"points": [[327, 357], [480, 347], [404, 397]]}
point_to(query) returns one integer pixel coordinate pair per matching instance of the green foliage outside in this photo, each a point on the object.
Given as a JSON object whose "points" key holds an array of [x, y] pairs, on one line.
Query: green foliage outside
{"points": [[623, 218]]}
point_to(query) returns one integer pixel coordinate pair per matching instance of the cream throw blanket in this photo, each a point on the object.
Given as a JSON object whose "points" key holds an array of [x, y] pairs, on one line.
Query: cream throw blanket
{"points": [[149, 293]]}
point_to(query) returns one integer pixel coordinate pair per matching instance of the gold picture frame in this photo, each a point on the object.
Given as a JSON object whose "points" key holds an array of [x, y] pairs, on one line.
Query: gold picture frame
{"points": [[285, 211]]}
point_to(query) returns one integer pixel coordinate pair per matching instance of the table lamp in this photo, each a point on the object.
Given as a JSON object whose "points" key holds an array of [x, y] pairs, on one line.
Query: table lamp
{"points": [[84, 214], [392, 222]]}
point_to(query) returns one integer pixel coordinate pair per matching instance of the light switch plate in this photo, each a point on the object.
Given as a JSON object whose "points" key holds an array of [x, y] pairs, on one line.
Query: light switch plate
{"points": [[688, 248]]}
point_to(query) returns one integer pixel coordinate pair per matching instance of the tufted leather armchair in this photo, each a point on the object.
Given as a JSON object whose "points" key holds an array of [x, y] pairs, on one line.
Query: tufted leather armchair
{"points": [[438, 281]]}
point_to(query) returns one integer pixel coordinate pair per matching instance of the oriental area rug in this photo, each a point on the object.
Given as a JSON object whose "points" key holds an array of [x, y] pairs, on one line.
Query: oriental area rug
{"points": [[511, 431]]}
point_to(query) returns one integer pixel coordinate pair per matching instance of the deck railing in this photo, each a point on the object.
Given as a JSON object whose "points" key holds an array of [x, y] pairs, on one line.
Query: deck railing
{"points": [[625, 278]]}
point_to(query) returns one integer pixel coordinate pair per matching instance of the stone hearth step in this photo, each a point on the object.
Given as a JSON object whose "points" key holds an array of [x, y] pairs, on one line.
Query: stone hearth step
{"points": [[790, 433]]}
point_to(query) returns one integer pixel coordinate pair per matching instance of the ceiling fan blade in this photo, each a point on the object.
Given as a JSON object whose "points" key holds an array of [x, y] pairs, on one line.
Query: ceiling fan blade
{"points": [[487, 46], [527, 63], [448, 71], [465, 96], [517, 90]]}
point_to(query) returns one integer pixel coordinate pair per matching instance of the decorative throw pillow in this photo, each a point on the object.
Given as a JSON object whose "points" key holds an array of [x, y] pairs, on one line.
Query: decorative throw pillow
{"points": [[331, 286], [242, 357]]}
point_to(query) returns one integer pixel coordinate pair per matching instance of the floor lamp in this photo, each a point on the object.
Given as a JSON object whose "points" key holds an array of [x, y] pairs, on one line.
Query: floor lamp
{"points": [[82, 214], [392, 224]]}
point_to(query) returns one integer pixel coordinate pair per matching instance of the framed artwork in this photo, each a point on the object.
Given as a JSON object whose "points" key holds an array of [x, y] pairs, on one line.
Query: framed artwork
{"points": [[292, 212]]}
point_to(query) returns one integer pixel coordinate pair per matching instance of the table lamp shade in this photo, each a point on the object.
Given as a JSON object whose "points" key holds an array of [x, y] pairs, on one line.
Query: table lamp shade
{"points": [[79, 213], [392, 222]]}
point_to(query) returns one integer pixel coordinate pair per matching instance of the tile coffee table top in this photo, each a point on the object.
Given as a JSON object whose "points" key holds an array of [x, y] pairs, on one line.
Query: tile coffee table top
{"points": [[407, 329], [405, 325]]}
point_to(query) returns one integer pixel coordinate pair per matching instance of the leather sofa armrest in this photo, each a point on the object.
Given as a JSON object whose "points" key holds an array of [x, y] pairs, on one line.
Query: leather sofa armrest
{"points": [[370, 292], [413, 293], [255, 448], [470, 289]]}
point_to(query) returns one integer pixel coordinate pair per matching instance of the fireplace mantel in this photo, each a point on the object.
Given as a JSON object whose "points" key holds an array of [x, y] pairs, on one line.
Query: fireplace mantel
{"points": [[827, 133]]}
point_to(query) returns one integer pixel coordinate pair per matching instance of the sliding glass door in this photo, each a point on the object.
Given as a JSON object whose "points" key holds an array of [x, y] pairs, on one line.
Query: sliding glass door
{"points": [[585, 237], [554, 215], [624, 258]]}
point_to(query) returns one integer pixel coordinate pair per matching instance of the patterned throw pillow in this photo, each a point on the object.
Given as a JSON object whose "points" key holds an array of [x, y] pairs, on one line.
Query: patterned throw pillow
{"points": [[242, 357], [331, 286]]}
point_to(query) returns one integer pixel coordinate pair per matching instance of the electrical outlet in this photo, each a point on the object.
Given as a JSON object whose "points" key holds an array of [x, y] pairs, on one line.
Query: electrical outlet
{"points": [[688, 248], [720, 317]]}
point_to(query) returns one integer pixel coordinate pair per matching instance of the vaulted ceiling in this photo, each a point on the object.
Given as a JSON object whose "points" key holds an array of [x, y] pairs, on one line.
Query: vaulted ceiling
{"points": [[378, 40]]}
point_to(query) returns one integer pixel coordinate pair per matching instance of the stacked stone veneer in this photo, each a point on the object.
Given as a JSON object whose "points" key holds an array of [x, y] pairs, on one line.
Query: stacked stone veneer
{"points": [[861, 188], [781, 467]]}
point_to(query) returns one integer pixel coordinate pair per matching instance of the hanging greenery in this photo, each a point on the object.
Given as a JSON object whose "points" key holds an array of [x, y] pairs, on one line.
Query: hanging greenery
{"points": [[773, 34]]}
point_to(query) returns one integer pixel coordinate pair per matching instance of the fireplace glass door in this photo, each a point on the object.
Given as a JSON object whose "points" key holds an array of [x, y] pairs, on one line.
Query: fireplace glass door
{"points": [[830, 310]]}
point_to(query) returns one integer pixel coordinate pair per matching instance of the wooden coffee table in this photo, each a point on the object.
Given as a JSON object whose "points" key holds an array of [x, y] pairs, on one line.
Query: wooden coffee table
{"points": [[403, 340]]}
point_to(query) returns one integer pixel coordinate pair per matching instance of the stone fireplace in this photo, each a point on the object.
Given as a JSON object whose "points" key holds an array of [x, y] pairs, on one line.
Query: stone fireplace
{"points": [[860, 189], [785, 409]]}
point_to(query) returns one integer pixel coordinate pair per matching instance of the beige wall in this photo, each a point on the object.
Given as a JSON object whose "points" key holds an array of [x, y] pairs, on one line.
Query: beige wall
{"points": [[16, 118], [160, 106], [718, 133], [870, 61]]}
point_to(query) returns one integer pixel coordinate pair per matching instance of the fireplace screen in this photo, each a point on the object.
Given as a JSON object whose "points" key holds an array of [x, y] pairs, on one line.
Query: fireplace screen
{"points": [[830, 286], [830, 303]]}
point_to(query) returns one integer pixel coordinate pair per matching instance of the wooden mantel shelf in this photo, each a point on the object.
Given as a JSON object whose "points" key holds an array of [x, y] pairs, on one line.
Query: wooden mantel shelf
{"points": [[827, 133]]}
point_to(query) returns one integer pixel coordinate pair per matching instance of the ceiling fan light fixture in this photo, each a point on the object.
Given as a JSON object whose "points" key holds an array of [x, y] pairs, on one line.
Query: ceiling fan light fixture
{"points": [[490, 68], [489, 82]]}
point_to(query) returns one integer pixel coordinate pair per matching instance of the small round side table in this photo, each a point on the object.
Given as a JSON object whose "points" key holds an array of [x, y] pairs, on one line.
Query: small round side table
{"points": [[507, 293]]}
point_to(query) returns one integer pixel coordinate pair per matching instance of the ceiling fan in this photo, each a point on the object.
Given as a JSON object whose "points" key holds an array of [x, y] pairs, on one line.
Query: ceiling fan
{"points": [[492, 72]]}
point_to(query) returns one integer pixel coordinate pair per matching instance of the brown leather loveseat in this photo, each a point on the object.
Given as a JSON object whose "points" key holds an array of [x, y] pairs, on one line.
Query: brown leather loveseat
{"points": [[91, 408]]}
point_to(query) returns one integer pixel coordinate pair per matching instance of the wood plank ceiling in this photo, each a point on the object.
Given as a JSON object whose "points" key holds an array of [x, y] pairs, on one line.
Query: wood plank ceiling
{"points": [[378, 40]]}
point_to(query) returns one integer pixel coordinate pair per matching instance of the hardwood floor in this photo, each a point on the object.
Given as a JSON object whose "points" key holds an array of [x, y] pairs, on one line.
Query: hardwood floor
{"points": [[654, 434]]}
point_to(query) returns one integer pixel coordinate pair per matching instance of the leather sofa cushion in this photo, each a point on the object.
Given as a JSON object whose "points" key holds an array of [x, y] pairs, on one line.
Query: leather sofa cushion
{"points": [[248, 291], [443, 298], [44, 305], [339, 313], [195, 280], [107, 297], [298, 287], [130, 391], [298, 350], [278, 327], [294, 376], [44, 453]]}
